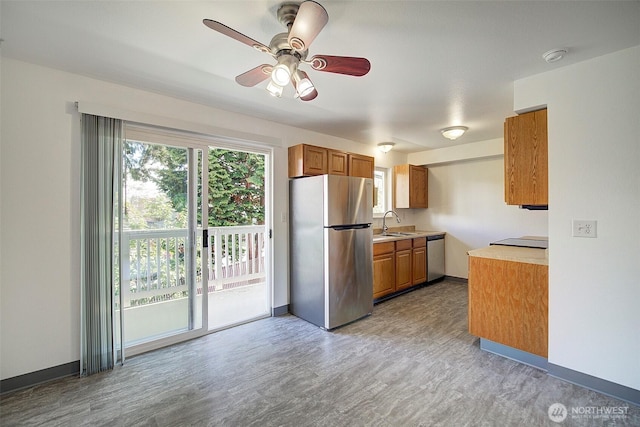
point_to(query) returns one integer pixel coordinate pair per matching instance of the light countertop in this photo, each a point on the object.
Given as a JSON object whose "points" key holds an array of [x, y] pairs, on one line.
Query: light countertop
{"points": [[378, 238], [512, 253]]}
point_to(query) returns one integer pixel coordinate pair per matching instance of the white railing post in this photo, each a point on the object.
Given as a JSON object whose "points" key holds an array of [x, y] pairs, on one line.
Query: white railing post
{"points": [[217, 258], [125, 256]]}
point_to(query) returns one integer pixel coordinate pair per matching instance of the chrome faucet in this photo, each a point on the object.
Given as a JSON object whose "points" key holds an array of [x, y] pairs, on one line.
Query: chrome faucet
{"points": [[384, 221]]}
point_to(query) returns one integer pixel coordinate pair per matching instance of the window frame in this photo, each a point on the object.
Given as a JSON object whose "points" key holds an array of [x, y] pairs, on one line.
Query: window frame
{"points": [[386, 190]]}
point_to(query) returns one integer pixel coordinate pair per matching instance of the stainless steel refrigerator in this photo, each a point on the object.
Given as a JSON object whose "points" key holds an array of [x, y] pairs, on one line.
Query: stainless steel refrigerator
{"points": [[331, 252]]}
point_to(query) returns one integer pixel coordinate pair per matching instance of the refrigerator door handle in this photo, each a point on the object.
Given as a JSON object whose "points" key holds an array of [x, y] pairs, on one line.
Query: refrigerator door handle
{"points": [[349, 227]]}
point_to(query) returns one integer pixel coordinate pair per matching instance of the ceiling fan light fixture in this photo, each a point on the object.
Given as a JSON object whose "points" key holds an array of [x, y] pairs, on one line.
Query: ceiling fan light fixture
{"points": [[454, 132], [281, 74], [274, 89], [385, 147], [302, 83]]}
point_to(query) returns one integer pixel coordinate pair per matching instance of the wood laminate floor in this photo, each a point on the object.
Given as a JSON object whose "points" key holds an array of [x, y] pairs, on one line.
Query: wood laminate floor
{"points": [[412, 363]]}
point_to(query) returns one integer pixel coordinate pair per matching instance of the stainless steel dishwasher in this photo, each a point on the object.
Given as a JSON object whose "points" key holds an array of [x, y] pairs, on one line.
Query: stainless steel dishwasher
{"points": [[435, 257]]}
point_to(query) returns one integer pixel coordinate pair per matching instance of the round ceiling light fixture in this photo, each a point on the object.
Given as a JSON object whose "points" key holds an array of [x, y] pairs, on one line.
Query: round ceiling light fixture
{"points": [[385, 147], [554, 55], [454, 132]]}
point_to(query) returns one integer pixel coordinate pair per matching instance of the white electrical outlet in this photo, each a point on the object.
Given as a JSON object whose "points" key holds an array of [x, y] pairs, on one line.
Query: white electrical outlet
{"points": [[585, 228]]}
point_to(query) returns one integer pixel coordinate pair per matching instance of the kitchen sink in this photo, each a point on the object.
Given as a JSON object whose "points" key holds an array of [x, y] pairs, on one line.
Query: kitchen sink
{"points": [[393, 234]]}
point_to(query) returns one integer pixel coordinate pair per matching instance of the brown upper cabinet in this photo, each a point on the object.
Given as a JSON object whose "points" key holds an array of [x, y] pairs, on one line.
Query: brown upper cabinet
{"points": [[309, 160], [361, 166], [338, 162], [410, 184], [525, 159]]}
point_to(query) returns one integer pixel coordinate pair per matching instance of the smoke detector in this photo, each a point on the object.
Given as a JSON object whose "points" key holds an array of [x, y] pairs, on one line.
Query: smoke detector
{"points": [[554, 55]]}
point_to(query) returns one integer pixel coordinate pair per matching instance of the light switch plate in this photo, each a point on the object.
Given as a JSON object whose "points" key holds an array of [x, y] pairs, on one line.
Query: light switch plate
{"points": [[585, 228]]}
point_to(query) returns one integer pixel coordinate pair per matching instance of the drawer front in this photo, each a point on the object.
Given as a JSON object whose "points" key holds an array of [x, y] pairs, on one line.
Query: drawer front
{"points": [[419, 242], [383, 248], [403, 244]]}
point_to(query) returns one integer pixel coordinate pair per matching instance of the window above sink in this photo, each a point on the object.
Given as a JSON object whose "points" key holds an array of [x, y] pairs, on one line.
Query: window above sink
{"points": [[382, 191]]}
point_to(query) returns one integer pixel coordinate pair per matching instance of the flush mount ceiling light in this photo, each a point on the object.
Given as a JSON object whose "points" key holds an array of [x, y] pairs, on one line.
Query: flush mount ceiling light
{"points": [[454, 132], [385, 147], [554, 55]]}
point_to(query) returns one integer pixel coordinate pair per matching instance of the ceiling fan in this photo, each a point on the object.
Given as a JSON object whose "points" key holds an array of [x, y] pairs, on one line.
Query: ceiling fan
{"points": [[304, 21]]}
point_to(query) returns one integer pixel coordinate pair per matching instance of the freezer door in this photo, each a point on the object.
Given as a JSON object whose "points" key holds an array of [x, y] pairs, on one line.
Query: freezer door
{"points": [[349, 275], [348, 200]]}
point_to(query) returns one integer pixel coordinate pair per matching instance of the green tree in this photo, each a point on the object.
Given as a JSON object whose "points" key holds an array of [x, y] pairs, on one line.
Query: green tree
{"points": [[236, 180], [236, 188], [156, 211]]}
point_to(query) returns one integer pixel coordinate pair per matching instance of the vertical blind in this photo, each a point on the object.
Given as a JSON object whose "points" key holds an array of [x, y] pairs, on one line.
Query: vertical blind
{"points": [[101, 159]]}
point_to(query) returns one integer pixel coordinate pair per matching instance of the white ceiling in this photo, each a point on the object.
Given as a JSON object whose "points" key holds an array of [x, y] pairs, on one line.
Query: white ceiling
{"points": [[433, 63]]}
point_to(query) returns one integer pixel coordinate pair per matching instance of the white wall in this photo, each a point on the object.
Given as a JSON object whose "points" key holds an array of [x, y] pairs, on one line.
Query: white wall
{"points": [[40, 170], [466, 199], [594, 173]]}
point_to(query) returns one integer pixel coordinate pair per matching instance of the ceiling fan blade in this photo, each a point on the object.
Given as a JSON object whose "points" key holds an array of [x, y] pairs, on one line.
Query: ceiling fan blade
{"points": [[310, 20], [349, 65], [254, 75], [230, 32]]}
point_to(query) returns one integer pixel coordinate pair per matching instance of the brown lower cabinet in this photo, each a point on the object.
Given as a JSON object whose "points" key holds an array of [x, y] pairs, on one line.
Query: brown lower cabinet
{"points": [[384, 269], [398, 265], [508, 303], [403, 264], [419, 260]]}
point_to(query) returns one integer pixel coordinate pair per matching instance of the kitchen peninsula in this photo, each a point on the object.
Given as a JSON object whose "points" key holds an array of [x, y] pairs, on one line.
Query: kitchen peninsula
{"points": [[508, 301]]}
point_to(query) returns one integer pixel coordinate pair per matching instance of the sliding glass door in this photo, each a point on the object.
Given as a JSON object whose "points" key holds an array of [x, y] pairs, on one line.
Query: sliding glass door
{"points": [[237, 246], [160, 254], [192, 214]]}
